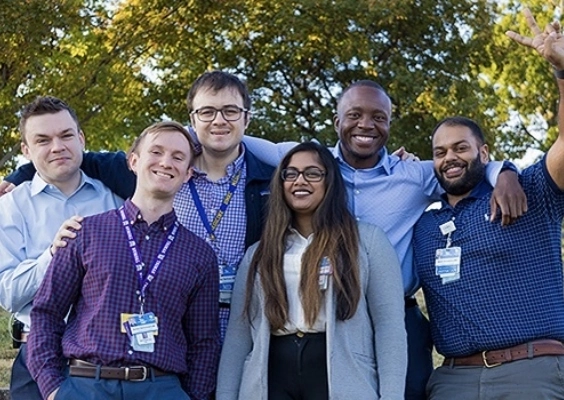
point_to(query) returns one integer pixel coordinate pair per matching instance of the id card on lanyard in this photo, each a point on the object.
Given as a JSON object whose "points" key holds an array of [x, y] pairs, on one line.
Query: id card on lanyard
{"points": [[142, 328], [226, 272]]}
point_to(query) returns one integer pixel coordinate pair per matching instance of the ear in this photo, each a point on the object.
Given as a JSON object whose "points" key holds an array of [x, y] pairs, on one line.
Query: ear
{"points": [[336, 124], [484, 154], [25, 151], [247, 119], [132, 162], [81, 139], [189, 174]]}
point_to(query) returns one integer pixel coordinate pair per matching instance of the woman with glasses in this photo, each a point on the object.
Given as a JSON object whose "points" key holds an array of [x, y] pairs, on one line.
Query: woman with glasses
{"points": [[317, 308]]}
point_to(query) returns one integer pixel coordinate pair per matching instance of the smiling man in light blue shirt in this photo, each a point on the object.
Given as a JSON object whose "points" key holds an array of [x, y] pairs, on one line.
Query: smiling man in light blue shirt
{"points": [[386, 192], [30, 216]]}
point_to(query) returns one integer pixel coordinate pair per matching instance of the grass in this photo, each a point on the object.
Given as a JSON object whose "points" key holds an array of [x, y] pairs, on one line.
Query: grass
{"points": [[7, 354]]}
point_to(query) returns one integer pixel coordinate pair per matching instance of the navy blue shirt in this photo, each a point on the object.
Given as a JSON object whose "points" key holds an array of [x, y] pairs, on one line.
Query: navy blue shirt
{"points": [[510, 289]]}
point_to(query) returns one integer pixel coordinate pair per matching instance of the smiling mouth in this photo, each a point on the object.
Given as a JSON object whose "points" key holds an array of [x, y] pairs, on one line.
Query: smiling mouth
{"points": [[453, 171], [364, 138], [163, 174]]}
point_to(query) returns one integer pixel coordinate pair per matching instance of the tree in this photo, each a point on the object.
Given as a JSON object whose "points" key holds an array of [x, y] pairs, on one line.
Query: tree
{"points": [[125, 64]]}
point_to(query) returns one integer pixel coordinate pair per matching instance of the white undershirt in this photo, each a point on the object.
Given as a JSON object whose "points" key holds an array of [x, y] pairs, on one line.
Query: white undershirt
{"points": [[296, 247]]}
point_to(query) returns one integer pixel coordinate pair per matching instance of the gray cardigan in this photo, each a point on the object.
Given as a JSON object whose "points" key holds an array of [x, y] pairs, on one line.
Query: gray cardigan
{"points": [[366, 355]]}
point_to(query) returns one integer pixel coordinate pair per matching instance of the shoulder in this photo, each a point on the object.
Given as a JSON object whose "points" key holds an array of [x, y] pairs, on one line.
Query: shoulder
{"points": [[368, 232], [257, 169]]}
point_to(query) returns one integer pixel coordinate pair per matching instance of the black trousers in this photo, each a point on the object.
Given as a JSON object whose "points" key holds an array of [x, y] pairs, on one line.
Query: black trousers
{"points": [[297, 367]]}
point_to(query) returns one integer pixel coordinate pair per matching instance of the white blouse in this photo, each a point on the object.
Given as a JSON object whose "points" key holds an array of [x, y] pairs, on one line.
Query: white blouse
{"points": [[295, 248]]}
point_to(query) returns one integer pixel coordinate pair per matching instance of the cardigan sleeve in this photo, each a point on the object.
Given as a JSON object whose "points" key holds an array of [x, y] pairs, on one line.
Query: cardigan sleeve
{"points": [[385, 300]]}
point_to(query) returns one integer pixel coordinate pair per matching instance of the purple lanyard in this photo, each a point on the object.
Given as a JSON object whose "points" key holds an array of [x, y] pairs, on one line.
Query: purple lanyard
{"points": [[144, 281]]}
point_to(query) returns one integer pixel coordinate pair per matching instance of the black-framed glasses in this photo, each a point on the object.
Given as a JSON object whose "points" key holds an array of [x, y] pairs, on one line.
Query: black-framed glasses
{"points": [[310, 174], [229, 113]]}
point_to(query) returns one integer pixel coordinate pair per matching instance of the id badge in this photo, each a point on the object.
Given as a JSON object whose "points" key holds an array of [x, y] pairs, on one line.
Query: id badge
{"points": [[447, 263], [141, 330], [227, 275], [325, 271]]}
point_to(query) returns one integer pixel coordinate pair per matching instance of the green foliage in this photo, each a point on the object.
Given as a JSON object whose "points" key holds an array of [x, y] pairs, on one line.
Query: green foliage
{"points": [[125, 66]]}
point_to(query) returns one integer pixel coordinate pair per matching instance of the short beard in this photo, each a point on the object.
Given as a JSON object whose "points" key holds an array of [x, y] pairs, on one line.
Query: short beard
{"points": [[475, 173]]}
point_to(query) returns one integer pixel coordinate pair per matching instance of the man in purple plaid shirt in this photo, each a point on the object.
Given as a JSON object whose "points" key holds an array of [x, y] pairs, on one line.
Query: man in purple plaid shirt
{"points": [[143, 291]]}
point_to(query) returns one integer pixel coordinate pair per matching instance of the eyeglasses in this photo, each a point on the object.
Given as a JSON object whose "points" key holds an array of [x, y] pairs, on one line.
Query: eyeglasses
{"points": [[311, 174], [229, 113]]}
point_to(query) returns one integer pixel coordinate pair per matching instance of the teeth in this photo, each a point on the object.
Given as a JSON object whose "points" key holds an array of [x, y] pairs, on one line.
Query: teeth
{"points": [[163, 174], [301, 192], [364, 138]]}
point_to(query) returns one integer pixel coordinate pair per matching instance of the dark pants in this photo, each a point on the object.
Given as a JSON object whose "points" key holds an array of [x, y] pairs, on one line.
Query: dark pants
{"points": [[419, 352], [297, 367], [22, 385], [162, 388]]}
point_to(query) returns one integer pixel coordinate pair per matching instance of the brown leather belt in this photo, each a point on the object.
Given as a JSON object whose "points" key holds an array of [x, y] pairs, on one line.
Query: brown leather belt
{"points": [[494, 358], [135, 374]]}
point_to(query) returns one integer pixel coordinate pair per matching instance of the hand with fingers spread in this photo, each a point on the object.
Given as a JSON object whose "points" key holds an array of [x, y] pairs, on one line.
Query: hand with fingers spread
{"points": [[66, 231], [548, 43]]}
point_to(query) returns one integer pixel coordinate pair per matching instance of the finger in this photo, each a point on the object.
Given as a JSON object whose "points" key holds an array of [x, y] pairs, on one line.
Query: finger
{"points": [[531, 22], [525, 41], [66, 233], [493, 209]]}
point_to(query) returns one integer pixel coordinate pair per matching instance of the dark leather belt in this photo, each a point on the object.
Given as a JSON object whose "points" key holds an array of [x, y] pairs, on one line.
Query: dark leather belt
{"points": [[135, 374], [410, 302], [224, 305], [493, 358]]}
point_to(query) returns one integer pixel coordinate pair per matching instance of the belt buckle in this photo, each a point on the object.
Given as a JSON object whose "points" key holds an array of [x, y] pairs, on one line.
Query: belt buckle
{"points": [[143, 378], [485, 360]]}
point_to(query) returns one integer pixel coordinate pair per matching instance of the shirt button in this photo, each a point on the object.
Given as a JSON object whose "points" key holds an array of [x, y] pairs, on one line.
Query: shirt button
{"points": [[147, 237], [357, 191], [130, 352]]}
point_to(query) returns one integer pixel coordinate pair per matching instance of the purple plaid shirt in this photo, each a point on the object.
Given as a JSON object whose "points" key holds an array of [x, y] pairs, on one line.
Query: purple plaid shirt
{"points": [[95, 274]]}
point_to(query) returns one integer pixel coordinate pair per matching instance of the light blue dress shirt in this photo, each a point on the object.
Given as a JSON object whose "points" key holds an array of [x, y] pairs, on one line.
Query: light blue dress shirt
{"points": [[392, 195], [30, 216]]}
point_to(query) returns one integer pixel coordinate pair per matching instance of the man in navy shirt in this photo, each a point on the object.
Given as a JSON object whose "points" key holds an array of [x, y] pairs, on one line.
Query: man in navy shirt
{"points": [[495, 294]]}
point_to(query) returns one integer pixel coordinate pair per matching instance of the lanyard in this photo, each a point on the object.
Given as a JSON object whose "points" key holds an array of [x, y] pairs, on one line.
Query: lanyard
{"points": [[224, 204], [144, 281]]}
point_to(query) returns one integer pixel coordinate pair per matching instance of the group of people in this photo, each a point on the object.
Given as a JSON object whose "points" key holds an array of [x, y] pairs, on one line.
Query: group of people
{"points": [[241, 269]]}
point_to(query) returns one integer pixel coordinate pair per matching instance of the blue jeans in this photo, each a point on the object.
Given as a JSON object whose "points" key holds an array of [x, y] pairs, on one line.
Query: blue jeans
{"points": [[162, 388], [22, 385]]}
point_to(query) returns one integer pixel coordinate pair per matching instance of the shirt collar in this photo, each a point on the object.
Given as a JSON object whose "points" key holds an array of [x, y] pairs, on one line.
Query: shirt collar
{"points": [[133, 214], [482, 189], [38, 185], [386, 161]]}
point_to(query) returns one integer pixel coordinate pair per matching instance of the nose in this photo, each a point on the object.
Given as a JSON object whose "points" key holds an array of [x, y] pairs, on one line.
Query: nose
{"points": [[366, 122], [219, 118], [300, 179], [58, 145], [166, 161]]}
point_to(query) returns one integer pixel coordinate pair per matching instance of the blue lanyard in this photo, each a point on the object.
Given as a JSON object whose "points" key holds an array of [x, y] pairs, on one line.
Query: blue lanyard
{"points": [[144, 281], [224, 204]]}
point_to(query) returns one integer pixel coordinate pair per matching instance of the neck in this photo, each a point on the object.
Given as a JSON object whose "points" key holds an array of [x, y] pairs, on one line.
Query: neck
{"points": [[67, 186], [360, 162], [151, 208], [215, 164], [303, 224], [454, 199]]}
